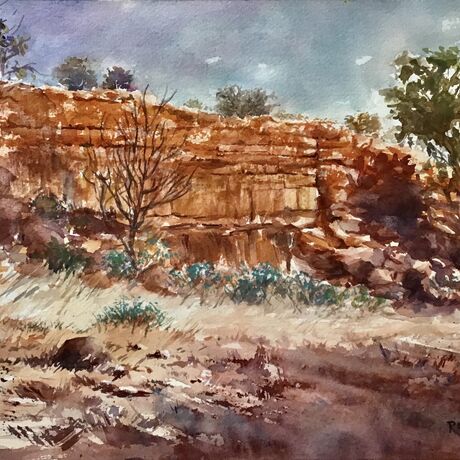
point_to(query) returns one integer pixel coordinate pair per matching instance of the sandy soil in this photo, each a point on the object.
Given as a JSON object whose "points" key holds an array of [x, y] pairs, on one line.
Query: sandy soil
{"points": [[231, 381]]}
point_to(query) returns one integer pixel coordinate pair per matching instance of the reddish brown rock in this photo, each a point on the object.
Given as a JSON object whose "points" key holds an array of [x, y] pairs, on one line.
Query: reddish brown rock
{"points": [[263, 191]]}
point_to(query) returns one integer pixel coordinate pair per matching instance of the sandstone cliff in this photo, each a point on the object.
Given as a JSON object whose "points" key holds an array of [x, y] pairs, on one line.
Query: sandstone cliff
{"points": [[310, 193]]}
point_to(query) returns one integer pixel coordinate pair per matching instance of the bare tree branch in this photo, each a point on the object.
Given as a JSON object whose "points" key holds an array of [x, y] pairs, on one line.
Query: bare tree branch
{"points": [[141, 169]]}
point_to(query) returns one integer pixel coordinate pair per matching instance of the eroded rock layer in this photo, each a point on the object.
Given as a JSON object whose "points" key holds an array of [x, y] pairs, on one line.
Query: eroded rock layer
{"points": [[311, 194]]}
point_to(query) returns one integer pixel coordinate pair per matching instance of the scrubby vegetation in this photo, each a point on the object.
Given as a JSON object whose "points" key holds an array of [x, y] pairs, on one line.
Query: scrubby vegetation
{"points": [[62, 257], [135, 312], [195, 104], [364, 123], [118, 264], [264, 282], [118, 78], [235, 101], [48, 205]]}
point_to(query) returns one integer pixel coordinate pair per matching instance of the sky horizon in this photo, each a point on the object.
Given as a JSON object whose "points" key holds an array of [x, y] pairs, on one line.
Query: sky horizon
{"points": [[325, 58]]}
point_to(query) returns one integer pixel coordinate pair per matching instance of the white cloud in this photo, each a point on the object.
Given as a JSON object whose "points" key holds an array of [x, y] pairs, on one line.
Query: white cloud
{"points": [[264, 72], [449, 24], [362, 60], [128, 5], [347, 102], [213, 60]]}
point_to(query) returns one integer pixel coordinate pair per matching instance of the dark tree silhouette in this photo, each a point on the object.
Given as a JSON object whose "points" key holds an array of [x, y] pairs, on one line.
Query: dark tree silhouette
{"points": [[234, 101], [118, 78], [75, 73]]}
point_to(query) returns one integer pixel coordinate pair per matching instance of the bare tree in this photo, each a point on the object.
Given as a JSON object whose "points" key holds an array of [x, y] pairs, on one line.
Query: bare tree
{"points": [[139, 172]]}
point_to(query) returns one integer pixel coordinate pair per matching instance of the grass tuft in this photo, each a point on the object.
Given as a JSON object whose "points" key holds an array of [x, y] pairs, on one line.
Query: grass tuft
{"points": [[134, 312]]}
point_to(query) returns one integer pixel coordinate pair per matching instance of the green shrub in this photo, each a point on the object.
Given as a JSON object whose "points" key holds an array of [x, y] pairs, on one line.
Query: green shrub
{"points": [[361, 298], [307, 291], [201, 278], [197, 274], [253, 285], [235, 101], [118, 264], [202, 273], [259, 284], [48, 205], [158, 250], [134, 312], [61, 257]]}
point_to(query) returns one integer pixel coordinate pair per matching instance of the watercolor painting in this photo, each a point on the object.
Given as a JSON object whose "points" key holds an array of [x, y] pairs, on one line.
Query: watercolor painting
{"points": [[230, 229]]}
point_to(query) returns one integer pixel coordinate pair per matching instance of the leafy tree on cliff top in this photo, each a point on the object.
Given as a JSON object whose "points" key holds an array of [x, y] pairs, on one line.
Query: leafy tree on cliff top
{"points": [[13, 47], [118, 78], [75, 73], [195, 104], [364, 123], [234, 101], [426, 102]]}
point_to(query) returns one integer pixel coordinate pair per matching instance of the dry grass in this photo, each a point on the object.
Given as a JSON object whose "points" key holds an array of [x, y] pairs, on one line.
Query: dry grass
{"points": [[234, 381], [62, 302]]}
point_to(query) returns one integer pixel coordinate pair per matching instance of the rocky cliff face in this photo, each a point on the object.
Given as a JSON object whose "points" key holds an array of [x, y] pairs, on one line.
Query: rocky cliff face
{"points": [[306, 193]]}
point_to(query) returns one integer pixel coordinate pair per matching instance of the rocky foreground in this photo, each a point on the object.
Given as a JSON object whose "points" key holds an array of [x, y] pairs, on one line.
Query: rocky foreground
{"points": [[168, 396], [220, 382]]}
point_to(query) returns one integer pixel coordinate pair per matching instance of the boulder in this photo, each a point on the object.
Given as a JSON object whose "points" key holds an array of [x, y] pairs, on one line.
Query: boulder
{"points": [[12, 211], [38, 231], [80, 353], [156, 279]]}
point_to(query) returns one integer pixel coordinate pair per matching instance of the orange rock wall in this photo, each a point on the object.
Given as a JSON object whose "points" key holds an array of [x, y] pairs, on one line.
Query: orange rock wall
{"points": [[253, 178], [245, 169]]}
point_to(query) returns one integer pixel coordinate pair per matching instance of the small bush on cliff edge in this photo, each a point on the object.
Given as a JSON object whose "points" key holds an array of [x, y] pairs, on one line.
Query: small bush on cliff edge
{"points": [[48, 205], [118, 78], [75, 73], [364, 123], [235, 101]]}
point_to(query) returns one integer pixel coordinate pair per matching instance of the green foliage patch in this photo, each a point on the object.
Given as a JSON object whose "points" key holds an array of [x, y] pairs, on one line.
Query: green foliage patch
{"points": [[426, 102], [133, 312], [48, 205], [118, 264], [235, 101], [61, 257], [264, 282]]}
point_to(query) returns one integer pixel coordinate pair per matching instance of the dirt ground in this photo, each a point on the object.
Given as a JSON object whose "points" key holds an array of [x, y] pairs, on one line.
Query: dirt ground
{"points": [[234, 382]]}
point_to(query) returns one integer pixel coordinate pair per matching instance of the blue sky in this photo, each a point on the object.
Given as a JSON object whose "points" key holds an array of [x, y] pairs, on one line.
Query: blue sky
{"points": [[325, 58]]}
